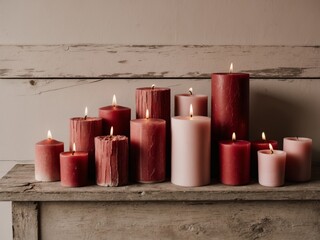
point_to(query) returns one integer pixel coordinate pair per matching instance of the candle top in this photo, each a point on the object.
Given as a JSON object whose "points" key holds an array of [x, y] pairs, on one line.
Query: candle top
{"points": [[235, 142], [233, 74], [116, 108], [88, 119], [193, 118], [112, 138], [153, 120], [50, 141], [190, 96], [298, 139], [75, 154], [268, 152], [153, 89]]}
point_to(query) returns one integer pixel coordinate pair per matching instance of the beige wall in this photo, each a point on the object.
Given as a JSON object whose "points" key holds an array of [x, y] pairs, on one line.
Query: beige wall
{"points": [[26, 116]]}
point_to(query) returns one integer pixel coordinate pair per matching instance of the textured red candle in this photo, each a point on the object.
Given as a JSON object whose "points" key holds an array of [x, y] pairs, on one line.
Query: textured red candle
{"points": [[148, 150], [74, 169], [117, 116], [111, 160], [47, 161], [82, 133], [234, 162]]}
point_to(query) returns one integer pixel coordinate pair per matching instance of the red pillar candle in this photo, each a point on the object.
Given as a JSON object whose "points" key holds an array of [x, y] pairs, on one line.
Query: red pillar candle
{"points": [[47, 162], [111, 160], [157, 100], [83, 130], [234, 161], [299, 158], [148, 149], [183, 101], [74, 168], [117, 116], [255, 147]]}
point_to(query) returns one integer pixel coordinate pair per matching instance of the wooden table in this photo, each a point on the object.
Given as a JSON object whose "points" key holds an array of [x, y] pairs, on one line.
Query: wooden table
{"points": [[160, 211]]}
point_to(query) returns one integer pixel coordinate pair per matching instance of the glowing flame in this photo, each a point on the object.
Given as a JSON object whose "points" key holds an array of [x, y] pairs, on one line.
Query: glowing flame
{"points": [[231, 68], [263, 136], [234, 136], [49, 134], [114, 100], [111, 131], [73, 148], [191, 91], [147, 113], [86, 113], [191, 110], [271, 148], [153, 86]]}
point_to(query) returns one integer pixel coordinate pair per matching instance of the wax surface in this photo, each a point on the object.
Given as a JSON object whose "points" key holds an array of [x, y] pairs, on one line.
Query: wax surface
{"points": [[47, 160], [117, 116], [271, 167], [191, 144], [74, 169], [111, 160], [182, 105], [299, 158], [235, 162], [148, 150]]}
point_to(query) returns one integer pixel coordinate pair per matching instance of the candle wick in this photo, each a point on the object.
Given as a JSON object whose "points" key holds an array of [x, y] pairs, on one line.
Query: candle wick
{"points": [[73, 153], [271, 151], [190, 92], [85, 117]]}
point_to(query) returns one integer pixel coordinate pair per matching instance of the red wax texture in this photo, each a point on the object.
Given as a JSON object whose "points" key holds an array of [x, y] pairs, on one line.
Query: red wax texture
{"points": [[47, 160], [148, 150], [112, 160], [255, 147], [234, 162], [117, 116], [74, 169], [82, 133]]}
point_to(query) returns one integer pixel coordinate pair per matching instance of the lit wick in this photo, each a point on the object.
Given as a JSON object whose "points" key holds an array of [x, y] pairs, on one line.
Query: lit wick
{"points": [[234, 138], [231, 68], [263, 136], [73, 148], [191, 110], [147, 113], [114, 100], [271, 148], [190, 91], [153, 86], [49, 135], [85, 113], [111, 131]]}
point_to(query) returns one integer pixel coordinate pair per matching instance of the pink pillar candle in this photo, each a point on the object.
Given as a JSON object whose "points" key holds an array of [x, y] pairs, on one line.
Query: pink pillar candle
{"points": [[47, 161], [111, 160], [148, 150], [299, 158], [74, 169], [191, 145], [271, 167], [182, 103]]}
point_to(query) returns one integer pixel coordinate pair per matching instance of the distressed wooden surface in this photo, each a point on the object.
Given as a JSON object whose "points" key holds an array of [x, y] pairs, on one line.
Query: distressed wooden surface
{"points": [[25, 220], [156, 61], [19, 185], [169, 220]]}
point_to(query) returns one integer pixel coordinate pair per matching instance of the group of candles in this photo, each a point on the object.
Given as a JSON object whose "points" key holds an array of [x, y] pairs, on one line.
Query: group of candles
{"points": [[112, 148]]}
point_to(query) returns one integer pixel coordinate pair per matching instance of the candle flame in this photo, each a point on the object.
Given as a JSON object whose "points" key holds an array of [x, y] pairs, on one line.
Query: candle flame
{"points": [[73, 148], [147, 113], [271, 148], [86, 113], [191, 91], [234, 136], [231, 68], [49, 135], [114, 100], [111, 131], [263, 136], [191, 110], [153, 86]]}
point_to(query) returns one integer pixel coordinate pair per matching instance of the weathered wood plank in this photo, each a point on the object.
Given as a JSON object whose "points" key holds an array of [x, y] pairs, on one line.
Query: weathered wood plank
{"points": [[19, 185], [156, 61], [216, 220], [25, 220]]}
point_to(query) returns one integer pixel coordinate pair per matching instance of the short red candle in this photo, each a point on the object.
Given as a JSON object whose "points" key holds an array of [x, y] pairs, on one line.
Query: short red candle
{"points": [[74, 169], [234, 162], [183, 101], [111, 160], [257, 146], [148, 150], [117, 116], [47, 162]]}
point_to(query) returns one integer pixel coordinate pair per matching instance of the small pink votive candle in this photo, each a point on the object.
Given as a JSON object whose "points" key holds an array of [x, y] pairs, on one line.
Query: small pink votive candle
{"points": [[271, 167]]}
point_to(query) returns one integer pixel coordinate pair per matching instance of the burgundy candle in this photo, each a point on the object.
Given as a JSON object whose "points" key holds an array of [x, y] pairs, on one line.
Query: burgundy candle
{"points": [[255, 147], [117, 116], [234, 161], [82, 133], [47, 161], [111, 160], [148, 149], [74, 168], [183, 101]]}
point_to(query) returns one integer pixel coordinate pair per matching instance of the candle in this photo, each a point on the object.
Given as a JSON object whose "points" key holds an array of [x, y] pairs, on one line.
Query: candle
{"points": [[255, 147], [148, 149], [83, 130], [234, 161], [116, 116], [111, 160], [157, 100], [191, 145], [47, 162], [271, 165], [298, 164], [183, 101], [74, 168]]}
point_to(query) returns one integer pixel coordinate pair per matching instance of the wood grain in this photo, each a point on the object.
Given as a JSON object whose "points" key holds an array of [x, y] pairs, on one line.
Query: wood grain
{"points": [[156, 61], [19, 185]]}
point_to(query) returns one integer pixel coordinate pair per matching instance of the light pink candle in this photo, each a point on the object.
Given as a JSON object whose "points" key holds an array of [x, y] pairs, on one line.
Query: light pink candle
{"points": [[271, 167], [182, 103], [47, 161], [190, 150], [299, 153]]}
